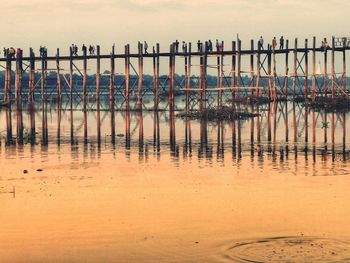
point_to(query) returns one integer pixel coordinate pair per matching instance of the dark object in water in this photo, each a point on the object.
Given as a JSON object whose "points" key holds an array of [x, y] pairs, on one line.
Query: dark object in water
{"points": [[251, 100], [39, 170], [25, 171], [217, 114], [339, 104]]}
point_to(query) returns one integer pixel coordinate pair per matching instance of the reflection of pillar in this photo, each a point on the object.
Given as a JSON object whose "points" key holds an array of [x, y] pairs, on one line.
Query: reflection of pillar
{"points": [[234, 139], [172, 133], [269, 123], [85, 128], [98, 122], [141, 144], [258, 133], [156, 135], [44, 125], [239, 139], [203, 148], [295, 131], [188, 137], [220, 138], [332, 135], [127, 130], [252, 120], [32, 123], [9, 137], [112, 128], [325, 126], [344, 130], [71, 125], [274, 124], [19, 123], [59, 112]]}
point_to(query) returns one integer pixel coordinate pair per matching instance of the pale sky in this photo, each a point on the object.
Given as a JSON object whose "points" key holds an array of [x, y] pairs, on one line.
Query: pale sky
{"points": [[59, 23]]}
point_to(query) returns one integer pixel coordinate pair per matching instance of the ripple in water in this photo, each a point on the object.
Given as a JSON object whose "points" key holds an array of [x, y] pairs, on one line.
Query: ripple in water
{"points": [[290, 249]]}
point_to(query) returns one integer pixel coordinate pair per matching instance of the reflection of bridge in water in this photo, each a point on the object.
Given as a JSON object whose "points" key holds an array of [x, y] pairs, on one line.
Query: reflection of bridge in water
{"points": [[282, 130]]}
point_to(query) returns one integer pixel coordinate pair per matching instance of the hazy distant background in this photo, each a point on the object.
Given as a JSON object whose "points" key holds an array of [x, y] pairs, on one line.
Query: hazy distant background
{"points": [[59, 23]]}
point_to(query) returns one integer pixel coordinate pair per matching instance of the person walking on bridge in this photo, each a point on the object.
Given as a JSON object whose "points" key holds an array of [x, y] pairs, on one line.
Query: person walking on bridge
{"points": [[281, 42], [261, 43]]}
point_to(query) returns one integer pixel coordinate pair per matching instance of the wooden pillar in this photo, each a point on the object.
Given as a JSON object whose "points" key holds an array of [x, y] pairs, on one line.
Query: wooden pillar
{"points": [[295, 76], [252, 66], [269, 85], [306, 70], [31, 75], [314, 69], [140, 79], [112, 78], [258, 72], [71, 74], [171, 77], [188, 74], [156, 75], [98, 74], [186, 79], [274, 74], [344, 73], [59, 88], [43, 77], [332, 65], [233, 71], [239, 59], [286, 79], [127, 74], [84, 76], [201, 78], [220, 70], [18, 73], [205, 70], [8, 78], [325, 86]]}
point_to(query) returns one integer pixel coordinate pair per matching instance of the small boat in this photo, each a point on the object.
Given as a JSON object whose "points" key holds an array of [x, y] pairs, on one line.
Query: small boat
{"points": [[5, 103]]}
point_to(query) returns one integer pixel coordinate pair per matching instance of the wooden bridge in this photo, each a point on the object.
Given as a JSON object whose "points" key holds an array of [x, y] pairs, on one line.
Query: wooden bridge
{"points": [[298, 77]]}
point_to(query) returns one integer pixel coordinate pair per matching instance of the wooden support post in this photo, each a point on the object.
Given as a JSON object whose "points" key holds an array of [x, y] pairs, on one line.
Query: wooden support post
{"points": [[325, 84], [186, 79], [140, 79], [127, 74], [233, 72], [8, 78], [31, 75], [188, 73], [306, 70], [171, 77], [43, 76], [314, 69], [201, 78], [274, 74], [71, 74], [218, 80], [112, 78], [205, 71], [332, 65], [85, 76], [19, 72], [221, 65], [252, 66], [258, 72], [59, 88], [286, 79], [98, 74], [239, 59], [269, 85], [295, 73], [344, 73], [156, 76]]}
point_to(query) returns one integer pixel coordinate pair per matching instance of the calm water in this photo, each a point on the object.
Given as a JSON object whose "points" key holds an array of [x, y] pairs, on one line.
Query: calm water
{"points": [[104, 186]]}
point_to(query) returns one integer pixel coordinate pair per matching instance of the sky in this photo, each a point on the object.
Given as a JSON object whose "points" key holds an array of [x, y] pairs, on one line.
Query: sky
{"points": [[59, 23]]}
